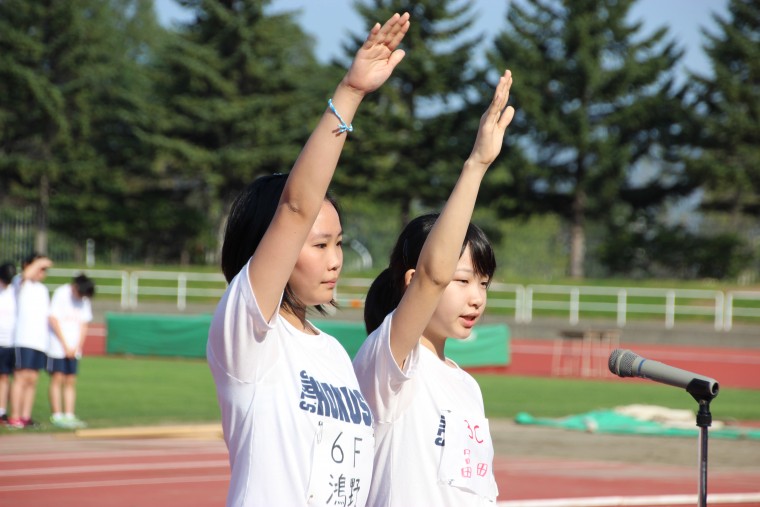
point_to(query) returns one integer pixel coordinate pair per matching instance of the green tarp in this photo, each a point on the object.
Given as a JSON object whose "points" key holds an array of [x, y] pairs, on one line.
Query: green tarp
{"points": [[611, 421], [185, 336]]}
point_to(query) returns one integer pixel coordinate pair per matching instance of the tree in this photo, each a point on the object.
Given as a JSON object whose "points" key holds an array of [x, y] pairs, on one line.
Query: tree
{"points": [[597, 105], [727, 160], [242, 90], [409, 137], [62, 71]]}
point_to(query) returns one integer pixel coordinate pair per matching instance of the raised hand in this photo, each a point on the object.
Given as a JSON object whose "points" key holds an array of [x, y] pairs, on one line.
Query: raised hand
{"points": [[493, 124], [378, 56]]}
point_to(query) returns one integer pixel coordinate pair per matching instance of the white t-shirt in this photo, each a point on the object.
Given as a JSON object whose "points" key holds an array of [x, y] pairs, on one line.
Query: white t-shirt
{"points": [[298, 430], [420, 459], [71, 314], [7, 315], [33, 305]]}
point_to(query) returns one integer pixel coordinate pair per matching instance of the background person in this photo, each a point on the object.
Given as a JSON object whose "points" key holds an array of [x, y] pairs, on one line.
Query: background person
{"points": [[30, 337], [297, 428], [7, 323], [433, 446], [70, 315]]}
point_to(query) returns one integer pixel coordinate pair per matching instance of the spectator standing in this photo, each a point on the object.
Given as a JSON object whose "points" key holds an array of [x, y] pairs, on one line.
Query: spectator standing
{"points": [[70, 315], [31, 337], [7, 323]]}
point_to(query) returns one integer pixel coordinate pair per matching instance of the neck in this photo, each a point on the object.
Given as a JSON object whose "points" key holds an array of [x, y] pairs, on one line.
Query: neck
{"points": [[436, 345], [298, 320]]}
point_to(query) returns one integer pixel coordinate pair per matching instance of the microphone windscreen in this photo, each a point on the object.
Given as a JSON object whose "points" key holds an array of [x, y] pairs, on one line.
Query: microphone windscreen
{"points": [[621, 362]]}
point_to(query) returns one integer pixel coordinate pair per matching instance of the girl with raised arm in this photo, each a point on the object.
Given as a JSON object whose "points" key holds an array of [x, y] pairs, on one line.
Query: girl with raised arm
{"points": [[297, 427], [433, 445]]}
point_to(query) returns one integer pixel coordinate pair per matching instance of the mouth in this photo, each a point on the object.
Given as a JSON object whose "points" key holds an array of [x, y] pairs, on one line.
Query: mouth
{"points": [[331, 283], [469, 320]]}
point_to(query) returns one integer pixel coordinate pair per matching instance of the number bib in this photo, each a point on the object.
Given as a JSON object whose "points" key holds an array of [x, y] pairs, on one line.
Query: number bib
{"points": [[341, 466], [467, 460]]}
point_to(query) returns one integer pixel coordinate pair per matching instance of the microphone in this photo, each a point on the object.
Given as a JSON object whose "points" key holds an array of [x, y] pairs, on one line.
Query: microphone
{"points": [[625, 363]]}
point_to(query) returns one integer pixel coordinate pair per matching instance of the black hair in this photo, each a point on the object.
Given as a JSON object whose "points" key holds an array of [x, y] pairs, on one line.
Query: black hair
{"points": [[249, 218], [7, 272], [30, 259], [85, 286], [386, 290]]}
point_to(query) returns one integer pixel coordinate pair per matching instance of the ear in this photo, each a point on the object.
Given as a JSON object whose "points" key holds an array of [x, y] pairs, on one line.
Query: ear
{"points": [[408, 277]]}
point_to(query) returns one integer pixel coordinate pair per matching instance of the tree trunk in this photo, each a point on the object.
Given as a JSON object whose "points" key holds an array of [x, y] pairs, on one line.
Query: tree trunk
{"points": [[41, 238], [578, 236]]}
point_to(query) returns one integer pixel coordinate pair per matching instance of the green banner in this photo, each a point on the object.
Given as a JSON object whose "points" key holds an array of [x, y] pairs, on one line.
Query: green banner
{"points": [[185, 336]]}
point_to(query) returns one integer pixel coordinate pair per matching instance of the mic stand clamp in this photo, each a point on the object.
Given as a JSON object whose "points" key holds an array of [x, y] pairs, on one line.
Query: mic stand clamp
{"points": [[700, 391]]}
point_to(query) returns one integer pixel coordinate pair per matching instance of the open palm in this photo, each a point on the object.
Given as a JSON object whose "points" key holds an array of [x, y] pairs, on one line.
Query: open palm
{"points": [[375, 60]]}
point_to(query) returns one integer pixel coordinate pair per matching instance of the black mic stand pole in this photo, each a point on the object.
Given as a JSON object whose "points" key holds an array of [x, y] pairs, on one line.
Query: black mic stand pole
{"points": [[700, 391]]}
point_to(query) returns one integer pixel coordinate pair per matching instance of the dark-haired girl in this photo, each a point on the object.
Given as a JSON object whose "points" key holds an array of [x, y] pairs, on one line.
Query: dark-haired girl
{"points": [[432, 443], [298, 430]]}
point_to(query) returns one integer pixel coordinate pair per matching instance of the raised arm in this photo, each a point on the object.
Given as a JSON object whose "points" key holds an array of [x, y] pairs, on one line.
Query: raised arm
{"points": [[440, 254], [308, 181]]}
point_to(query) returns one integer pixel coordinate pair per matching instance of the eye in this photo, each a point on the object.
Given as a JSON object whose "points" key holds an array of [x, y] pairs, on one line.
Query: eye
{"points": [[321, 245]]}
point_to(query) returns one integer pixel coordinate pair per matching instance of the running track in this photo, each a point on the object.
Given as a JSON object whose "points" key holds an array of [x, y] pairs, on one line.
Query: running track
{"points": [[44, 470], [54, 469]]}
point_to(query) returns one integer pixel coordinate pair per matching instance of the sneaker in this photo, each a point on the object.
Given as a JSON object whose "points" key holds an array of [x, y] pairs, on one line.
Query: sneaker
{"points": [[30, 424], [59, 421], [73, 422], [15, 424], [4, 419]]}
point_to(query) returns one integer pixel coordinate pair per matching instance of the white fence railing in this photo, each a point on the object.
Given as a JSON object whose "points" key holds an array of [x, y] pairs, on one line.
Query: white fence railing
{"points": [[576, 302]]}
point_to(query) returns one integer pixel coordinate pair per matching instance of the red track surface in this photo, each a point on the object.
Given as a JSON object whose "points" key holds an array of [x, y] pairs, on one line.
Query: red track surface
{"points": [[45, 470]]}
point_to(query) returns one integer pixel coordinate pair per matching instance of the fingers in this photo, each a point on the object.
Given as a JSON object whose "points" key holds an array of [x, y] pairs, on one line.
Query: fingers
{"points": [[396, 58], [390, 34], [497, 110]]}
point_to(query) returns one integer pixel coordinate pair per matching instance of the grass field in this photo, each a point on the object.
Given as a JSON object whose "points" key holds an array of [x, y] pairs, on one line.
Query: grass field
{"points": [[130, 391]]}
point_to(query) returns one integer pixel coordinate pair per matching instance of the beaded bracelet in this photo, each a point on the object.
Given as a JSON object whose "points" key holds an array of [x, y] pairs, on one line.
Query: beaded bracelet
{"points": [[342, 127]]}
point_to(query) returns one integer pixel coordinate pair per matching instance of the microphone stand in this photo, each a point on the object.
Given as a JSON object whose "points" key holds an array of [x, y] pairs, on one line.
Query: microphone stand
{"points": [[700, 391]]}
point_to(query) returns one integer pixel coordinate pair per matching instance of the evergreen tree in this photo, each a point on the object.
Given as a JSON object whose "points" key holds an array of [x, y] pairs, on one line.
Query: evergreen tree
{"points": [[728, 115], [410, 134], [596, 107], [242, 90], [59, 64]]}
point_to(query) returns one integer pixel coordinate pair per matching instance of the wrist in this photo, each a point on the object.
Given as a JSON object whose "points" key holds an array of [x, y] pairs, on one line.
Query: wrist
{"points": [[474, 165]]}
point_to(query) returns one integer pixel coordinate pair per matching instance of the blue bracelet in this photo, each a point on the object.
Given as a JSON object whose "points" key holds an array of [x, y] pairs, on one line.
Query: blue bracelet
{"points": [[342, 127]]}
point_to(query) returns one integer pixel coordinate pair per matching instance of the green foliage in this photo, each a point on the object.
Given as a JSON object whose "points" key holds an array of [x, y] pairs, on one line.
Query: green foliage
{"points": [[409, 138], [675, 251], [596, 99], [237, 103], [727, 160]]}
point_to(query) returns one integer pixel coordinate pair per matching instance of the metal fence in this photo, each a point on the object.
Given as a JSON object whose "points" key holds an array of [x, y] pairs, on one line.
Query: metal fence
{"points": [[525, 302]]}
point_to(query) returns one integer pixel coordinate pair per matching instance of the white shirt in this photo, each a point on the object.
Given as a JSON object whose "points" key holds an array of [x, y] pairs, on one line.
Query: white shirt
{"points": [[71, 313], [419, 459], [298, 430], [7, 315], [33, 304]]}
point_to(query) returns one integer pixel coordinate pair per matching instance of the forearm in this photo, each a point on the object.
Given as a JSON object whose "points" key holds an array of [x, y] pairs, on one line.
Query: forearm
{"points": [[440, 254], [313, 170]]}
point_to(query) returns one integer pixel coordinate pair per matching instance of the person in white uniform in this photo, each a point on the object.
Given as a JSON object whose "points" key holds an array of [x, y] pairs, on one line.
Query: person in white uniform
{"points": [[298, 430], [70, 316], [433, 445], [7, 323], [30, 337]]}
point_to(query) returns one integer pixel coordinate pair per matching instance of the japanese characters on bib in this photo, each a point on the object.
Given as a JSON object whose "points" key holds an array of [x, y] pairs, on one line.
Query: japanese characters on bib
{"points": [[467, 459], [298, 430], [433, 444]]}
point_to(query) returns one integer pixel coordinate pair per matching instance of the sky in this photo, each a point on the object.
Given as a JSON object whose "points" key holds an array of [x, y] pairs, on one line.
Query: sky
{"points": [[330, 22]]}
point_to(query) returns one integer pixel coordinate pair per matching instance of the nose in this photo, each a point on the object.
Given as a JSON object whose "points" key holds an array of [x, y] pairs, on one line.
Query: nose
{"points": [[478, 297], [335, 260]]}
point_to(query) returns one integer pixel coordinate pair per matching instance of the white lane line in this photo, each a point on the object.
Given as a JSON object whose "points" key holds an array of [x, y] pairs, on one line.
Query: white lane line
{"points": [[615, 501], [115, 483], [34, 472]]}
